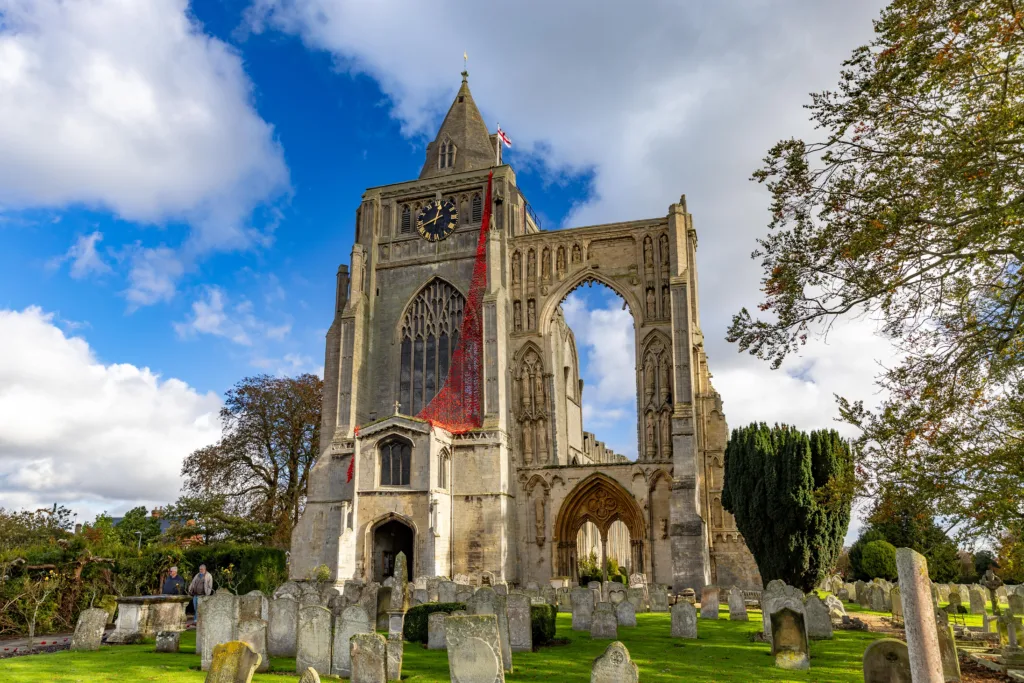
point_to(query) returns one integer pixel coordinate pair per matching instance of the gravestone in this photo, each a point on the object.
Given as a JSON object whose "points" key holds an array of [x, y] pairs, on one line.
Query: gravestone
{"points": [[954, 602], [977, 601], [396, 623], [401, 579], [658, 595], [1015, 604], [603, 624], [520, 630], [614, 666], [897, 605], [433, 594], [486, 601], [474, 653], [368, 599], [252, 605], [625, 615], [368, 655], [887, 661], [419, 596], [637, 598], [353, 620], [919, 617], [168, 641], [876, 598], [89, 629], [289, 588], [253, 632], [216, 625], [789, 640], [313, 648], [309, 676], [947, 648], [817, 618], [394, 649], [549, 594], [616, 593], [836, 610], [737, 606], [776, 596], [598, 593], [463, 593], [446, 592], [435, 631], [684, 620], [582, 601], [282, 626], [709, 602], [232, 662], [483, 601]]}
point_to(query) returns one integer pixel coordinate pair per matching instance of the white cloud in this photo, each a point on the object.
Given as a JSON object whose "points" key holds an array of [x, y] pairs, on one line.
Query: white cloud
{"points": [[92, 435], [129, 106], [212, 314], [85, 260], [153, 275]]}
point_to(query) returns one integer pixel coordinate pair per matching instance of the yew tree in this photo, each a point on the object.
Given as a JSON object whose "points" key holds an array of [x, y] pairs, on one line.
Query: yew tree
{"points": [[790, 493], [907, 209]]}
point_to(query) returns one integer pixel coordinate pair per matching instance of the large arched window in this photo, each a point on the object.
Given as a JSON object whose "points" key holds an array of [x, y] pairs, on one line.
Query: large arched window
{"points": [[430, 331], [442, 469], [395, 461]]}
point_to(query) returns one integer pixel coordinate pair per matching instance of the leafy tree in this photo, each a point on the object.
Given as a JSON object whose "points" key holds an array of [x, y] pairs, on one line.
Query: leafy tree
{"points": [[270, 440], [968, 574], [790, 493], [903, 519], [910, 208], [1011, 555], [857, 552], [208, 519], [137, 528], [879, 560], [25, 528], [983, 559]]}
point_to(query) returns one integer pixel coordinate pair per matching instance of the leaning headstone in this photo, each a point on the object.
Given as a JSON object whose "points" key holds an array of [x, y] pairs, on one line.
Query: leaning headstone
{"points": [[614, 666], [817, 618], [836, 610], [233, 662], [314, 640], [947, 648], [789, 639], [684, 620], [253, 632], [887, 661], [977, 601], [709, 602], [216, 625], [737, 606], [658, 595], [625, 615], [603, 624], [394, 649], [309, 676], [282, 625], [168, 641], [520, 630], [368, 654], [919, 617], [89, 629], [474, 653], [435, 631], [353, 620], [582, 600]]}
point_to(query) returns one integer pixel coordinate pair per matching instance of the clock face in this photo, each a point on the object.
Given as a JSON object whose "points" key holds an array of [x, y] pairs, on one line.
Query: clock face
{"points": [[437, 220]]}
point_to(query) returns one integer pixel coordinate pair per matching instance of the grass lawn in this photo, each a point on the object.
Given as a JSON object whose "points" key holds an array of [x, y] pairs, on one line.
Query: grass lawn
{"points": [[723, 652]]}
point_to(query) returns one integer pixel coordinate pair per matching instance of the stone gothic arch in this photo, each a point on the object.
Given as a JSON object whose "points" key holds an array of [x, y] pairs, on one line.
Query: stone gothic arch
{"points": [[531, 406], [601, 500], [427, 336]]}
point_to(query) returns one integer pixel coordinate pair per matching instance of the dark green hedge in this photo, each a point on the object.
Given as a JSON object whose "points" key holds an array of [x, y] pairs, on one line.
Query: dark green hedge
{"points": [[415, 629], [542, 623], [241, 568]]}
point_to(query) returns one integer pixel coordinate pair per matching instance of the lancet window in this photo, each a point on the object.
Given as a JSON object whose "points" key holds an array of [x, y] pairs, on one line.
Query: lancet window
{"points": [[430, 331], [395, 462]]}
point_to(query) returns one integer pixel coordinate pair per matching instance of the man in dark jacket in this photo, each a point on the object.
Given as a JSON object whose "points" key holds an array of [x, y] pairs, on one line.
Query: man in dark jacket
{"points": [[173, 584]]}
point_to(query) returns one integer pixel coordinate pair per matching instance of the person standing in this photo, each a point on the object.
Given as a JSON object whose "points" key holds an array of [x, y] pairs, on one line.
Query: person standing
{"points": [[173, 584], [202, 584]]}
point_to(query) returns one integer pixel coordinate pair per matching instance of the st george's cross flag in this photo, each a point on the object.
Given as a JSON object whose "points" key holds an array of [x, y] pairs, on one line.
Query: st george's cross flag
{"points": [[504, 138]]}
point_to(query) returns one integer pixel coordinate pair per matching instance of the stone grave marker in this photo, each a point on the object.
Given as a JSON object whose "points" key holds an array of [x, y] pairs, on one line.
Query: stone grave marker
{"points": [[168, 641], [603, 624], [977, 601], [282, 626], [313, 647], [582, 600], [876, 598], [368, 655], [919, 617], [614, 666], [954, 602], [1015, 604], [684, 620], [817, 618], [625, 615], [616, 593], [520, 630], [419, 597], [252, 605], [775, 596], [897, 605], [737, 606], [637, 596], [394, 649], [709, 602], [253, 632], [887, 661], [89, 629], [947, 648], [446, 592], [309, 676], [789, 639], [232, 662], [352, 621], [474, 653], [289, 588], [368, 599], [658, 596], [435, 631], [216, 625]]}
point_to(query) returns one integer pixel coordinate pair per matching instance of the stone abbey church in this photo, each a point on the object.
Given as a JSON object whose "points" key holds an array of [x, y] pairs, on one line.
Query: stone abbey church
{"points": [[507, 501]]}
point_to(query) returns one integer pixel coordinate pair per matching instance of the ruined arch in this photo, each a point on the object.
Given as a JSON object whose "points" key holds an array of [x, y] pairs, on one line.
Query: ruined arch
{"points": [[601, 500], [566, 287]]}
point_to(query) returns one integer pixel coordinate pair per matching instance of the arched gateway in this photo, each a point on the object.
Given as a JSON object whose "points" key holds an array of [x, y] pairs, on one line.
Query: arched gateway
{"points": [[506, 499]]}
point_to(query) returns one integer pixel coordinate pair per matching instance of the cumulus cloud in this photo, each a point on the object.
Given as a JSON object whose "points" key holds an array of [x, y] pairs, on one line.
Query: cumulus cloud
{"points": [[130, 107], [82, 432], [84, 258], [214, 315]]}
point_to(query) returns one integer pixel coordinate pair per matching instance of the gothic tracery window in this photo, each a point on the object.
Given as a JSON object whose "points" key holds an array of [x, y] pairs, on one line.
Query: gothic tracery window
{"points": [[442, 469], [430, 332], [395, 462], [446, 155]]}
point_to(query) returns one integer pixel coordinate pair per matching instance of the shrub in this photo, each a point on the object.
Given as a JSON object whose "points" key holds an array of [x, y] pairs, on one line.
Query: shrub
{"points": [[417, 618], [878, 560], [542, 623]]}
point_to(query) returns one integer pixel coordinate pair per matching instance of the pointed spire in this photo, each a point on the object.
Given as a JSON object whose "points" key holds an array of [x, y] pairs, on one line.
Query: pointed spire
{"points": [[463, 128]]}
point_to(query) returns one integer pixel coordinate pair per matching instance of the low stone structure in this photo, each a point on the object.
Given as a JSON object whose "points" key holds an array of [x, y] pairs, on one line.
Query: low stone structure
{"points": [[233, 662], [314, 640], [352, 621], [887, 661], [89, 629], [142, 616], [368, 654], [614, 666], [737, 606], [684, 620], [919, 616], [474, 651], [789, 639], [309, 676], [282, 626], [817, 618], [435, 631], [168, 641], [395, 650], [625, 615], [603, 624], [520, 630]]}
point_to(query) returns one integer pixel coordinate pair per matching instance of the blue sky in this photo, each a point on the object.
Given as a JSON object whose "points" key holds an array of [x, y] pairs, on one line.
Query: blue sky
{"points": [[178, 184]]}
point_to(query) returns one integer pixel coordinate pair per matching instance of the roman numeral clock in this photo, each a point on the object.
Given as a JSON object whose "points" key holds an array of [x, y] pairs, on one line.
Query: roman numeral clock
{"points": [[437, 220]]}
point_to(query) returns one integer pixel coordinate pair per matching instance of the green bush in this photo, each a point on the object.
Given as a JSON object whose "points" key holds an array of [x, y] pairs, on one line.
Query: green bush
{"points": [[239, 568], [542, 623], [878, 560], [417, 618]]}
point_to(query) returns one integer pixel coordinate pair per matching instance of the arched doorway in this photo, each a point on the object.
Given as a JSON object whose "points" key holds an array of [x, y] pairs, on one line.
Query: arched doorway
{"points": [[601, 500], [390, 537]]}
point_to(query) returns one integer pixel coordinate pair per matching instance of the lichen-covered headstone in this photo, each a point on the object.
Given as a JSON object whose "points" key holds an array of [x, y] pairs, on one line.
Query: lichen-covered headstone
{"points": [[737, 606], [625, 614], [309, 676], [776, 595], [603, 624], [919, 616], [817, 618], [582, 600], [658, 596], [684, 620], [789, 639], [614, 666], [89, 629], [394, 650], [401, 579], [709, 602], [252, 605], [168, 641], [253, 632], [520, 630], [947, 647], [233, 662], [887, 661], [368, 654], [954, 602], [977, 601], [435, 631], [446, 591], [638, 598], [282, 626], [216, 624], [474, 653], [352, 621], [314, 640]]}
